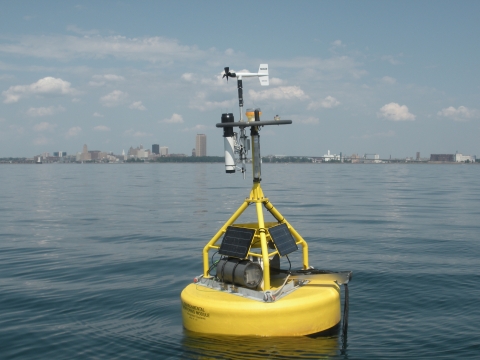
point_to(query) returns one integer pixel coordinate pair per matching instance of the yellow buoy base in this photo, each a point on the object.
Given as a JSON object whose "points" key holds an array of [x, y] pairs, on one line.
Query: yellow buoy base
{"points": [[310, 309]]}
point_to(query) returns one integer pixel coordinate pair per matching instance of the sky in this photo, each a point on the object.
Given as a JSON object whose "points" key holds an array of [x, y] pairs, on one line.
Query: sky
{"points": [[359, 77]]}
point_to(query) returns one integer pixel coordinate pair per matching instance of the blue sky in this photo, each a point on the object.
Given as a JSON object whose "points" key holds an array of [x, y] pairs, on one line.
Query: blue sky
{"points": [[356, 77]]}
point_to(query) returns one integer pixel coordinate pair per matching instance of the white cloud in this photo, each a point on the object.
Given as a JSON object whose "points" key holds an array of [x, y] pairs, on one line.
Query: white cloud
{"points": [[216, 81], [45, 86], [100, 80], [187, 77], [41, 140], [395, 112], [200, 103], [112, 77], [115, 98], [336, 46], [96, 83], [44, 126], [175, 119], [327, 103], [96, 114], [279, 93], [79, 31], [276, 81], [138, 106], [195, 128], [66, 47], [44, 111], [6, 76], [101, 128], [74, 131], [389, 80], [310, 121], [392, 59], [334, 68], [460, 114], [137, 134], [337, 43]]}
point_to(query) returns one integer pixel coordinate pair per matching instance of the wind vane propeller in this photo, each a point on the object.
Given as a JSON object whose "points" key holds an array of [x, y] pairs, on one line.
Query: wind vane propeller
{"points": [[228, 73]]}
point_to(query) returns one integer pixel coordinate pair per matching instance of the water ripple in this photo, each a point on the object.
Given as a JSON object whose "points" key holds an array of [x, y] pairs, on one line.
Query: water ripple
{"points": [[93, 258]]}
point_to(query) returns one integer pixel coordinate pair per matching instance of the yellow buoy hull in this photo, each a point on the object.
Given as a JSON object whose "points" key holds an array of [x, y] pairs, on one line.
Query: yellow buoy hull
{"points": [[310, 309]]}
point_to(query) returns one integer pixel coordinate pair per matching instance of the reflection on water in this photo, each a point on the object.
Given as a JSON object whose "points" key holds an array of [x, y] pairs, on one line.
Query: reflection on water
{"points": [[202, 346]]}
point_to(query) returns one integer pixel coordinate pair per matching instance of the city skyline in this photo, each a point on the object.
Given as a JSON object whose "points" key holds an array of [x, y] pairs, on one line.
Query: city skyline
{"points": [[370, 77], [200, 150]]}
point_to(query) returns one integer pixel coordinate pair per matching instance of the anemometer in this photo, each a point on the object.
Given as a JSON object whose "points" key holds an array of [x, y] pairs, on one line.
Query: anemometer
{"points": [[240, 145]]}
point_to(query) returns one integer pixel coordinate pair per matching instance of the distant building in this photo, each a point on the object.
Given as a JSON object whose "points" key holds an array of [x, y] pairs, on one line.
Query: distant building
{"points": [[156, 149], [59, 153], [418, 156], [355, 158], [138, 152], [453, 157], [193, 152], [84, 155], [442, 157], [142, 153], [465, 158], [132, 152], [201, 145], [95, 154], [164, 151], [331, 157]]}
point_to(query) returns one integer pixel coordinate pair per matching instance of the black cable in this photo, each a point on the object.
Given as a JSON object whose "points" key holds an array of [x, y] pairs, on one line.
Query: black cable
{"points": [[215, 253], [213, 264], [211, 267], [290, 267]]}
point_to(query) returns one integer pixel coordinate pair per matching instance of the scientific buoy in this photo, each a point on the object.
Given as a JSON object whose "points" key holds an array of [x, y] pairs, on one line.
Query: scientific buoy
{"points": [[243, 290]]}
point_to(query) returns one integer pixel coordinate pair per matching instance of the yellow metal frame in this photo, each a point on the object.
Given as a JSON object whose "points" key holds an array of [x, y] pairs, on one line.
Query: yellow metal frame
{"points": [[256, 197]]}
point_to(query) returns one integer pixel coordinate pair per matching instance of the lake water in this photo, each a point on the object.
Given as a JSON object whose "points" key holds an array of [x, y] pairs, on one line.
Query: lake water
{"points": [[93, 257]]}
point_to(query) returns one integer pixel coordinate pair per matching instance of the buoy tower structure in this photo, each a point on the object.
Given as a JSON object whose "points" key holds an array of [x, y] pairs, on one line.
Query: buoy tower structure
{"points": [[243, 291]]}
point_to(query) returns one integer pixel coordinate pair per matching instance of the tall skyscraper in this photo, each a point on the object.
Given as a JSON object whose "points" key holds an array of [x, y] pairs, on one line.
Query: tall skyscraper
{"points": [[85, 155], [156, 149], [201, 145]]}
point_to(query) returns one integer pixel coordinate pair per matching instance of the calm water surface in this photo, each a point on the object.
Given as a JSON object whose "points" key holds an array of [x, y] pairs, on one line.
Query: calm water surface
{"points": [[93, 257]]}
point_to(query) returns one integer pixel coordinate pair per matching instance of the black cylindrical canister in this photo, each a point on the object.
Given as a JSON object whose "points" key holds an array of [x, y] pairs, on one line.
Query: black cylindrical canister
{"points": [[240, 272], [227, 118]]}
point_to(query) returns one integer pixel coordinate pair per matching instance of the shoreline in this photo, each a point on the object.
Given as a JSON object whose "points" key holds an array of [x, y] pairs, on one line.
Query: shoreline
{"points": [[400, 162]]}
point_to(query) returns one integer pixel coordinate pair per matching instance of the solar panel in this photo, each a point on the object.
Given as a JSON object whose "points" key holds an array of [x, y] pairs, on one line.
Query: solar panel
{"points": [[283, 239], [236, 242]]}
